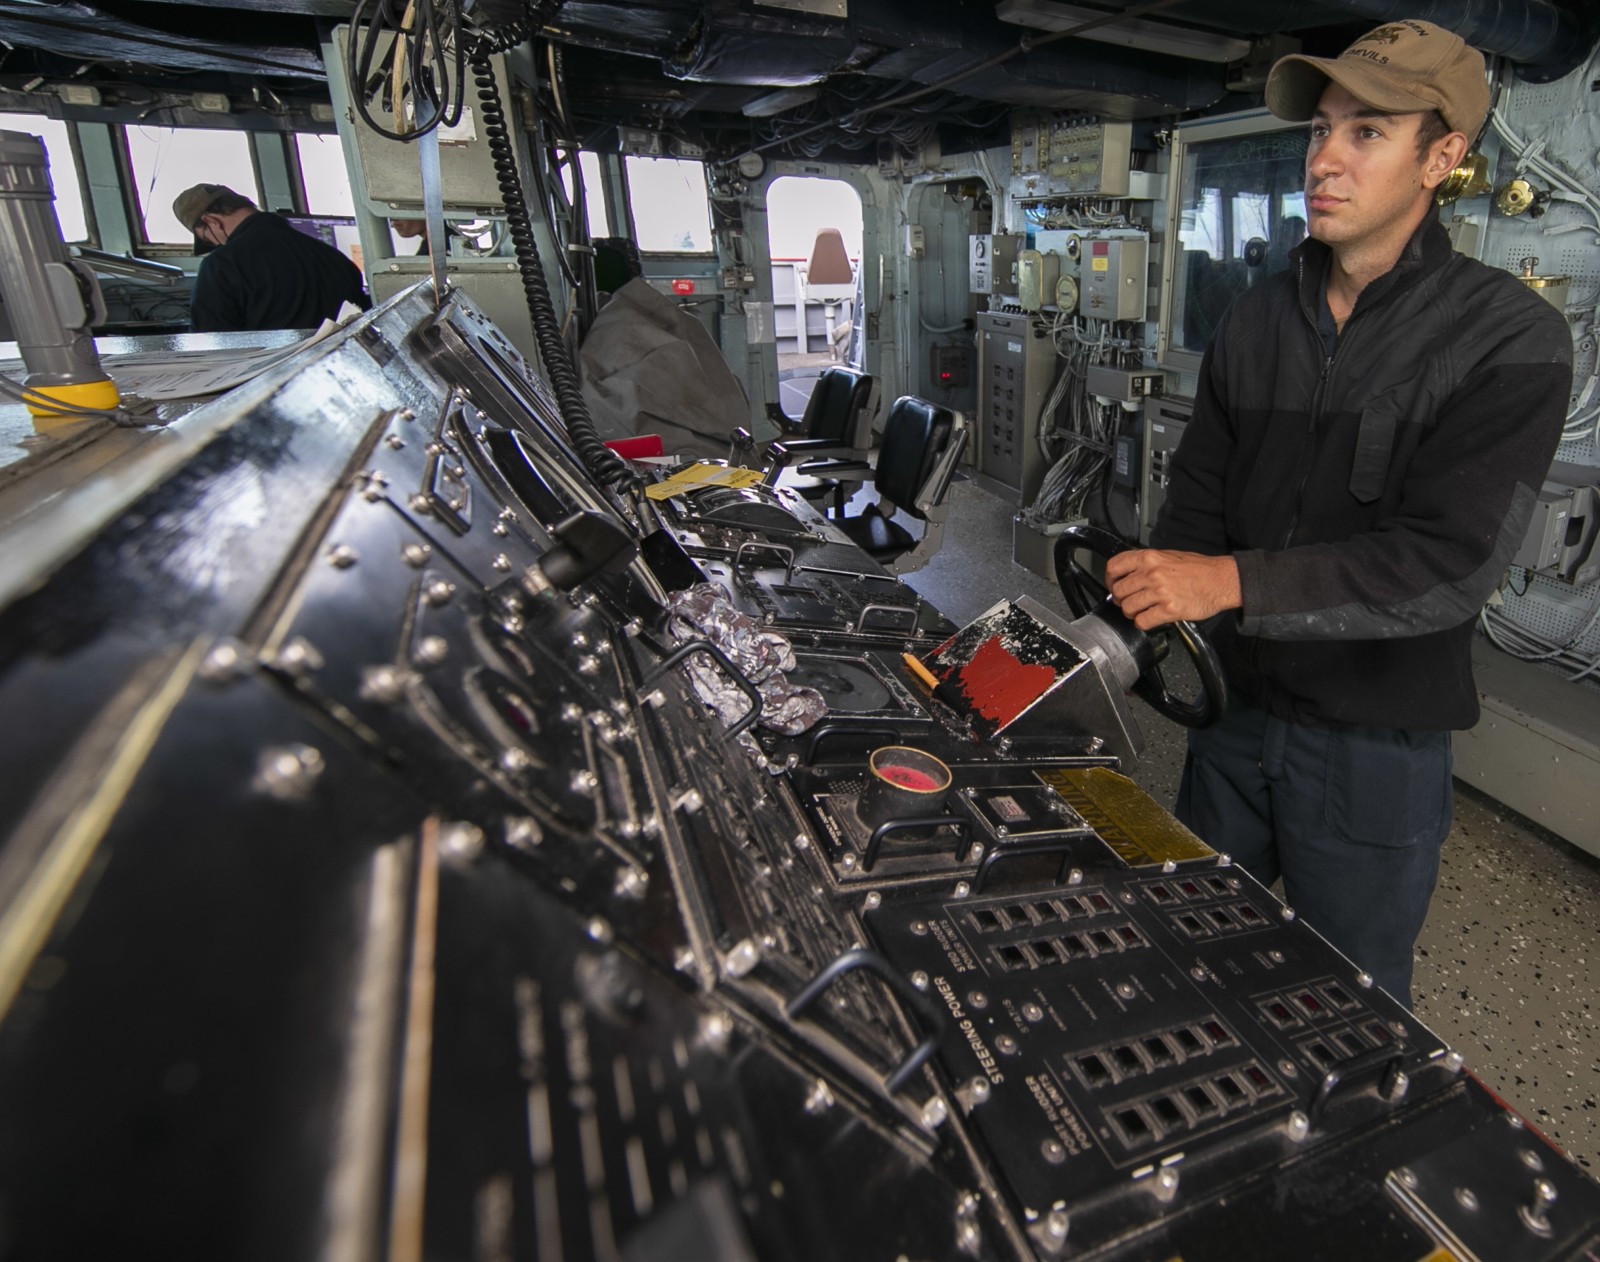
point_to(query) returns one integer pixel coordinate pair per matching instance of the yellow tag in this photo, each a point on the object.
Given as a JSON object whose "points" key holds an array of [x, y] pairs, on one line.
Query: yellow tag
{"points": [[1100, 265], [703, 473], [1127, 818]]}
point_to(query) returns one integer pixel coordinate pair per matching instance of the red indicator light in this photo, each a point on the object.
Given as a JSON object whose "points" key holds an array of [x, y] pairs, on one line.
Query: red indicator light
{"points": [[683, 286]]}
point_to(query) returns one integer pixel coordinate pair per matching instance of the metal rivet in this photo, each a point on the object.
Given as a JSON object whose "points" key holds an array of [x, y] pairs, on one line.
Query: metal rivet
{"points": [[416, 554], [421, 504], [288, 772], [1466, 1198], [741, 961], [819, 1099], [438, 591], [919, 979], [501, 562], [523, 832], [599, 929], [1364, 980], [299, 656], [1287, 913], [224, 662], [872, 901], [384, 684], [460, 842], [963, 888], [1298, 1126], [935, 1113], [1053, 1151], [342, 556], [432, 650]]}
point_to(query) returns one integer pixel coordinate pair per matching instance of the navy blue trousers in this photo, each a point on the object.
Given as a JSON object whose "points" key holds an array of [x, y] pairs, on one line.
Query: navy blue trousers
{"points": [[1352, 818]]}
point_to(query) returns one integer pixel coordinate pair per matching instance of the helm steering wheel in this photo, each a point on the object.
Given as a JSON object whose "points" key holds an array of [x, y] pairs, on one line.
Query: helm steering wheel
{"points": [[1087, 597]]}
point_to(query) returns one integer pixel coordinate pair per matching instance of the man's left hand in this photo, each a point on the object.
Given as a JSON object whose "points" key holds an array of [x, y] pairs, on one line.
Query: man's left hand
{"points": [[1154, 587]]}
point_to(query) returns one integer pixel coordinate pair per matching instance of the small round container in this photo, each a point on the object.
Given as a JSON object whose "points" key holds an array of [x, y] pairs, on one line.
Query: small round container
{"points": [[902, 783]]}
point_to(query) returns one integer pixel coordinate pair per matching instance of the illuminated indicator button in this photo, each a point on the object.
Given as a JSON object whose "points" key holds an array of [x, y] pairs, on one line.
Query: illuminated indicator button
{"points": [[1249, 914], [1259, 1080], [1161, 894], [1280, 1013], [1130, 935], [1379, 1032], [1100, 902], [1309, 1002], [1337, 995], [1218, 1034], [1191, 888], [1101, 249], [1133, 1126], [1200, 1101], [1012, 958]]}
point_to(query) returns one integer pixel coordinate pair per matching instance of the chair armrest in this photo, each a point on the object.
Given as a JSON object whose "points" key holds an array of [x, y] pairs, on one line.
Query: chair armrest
{"points": [[786, 450]]}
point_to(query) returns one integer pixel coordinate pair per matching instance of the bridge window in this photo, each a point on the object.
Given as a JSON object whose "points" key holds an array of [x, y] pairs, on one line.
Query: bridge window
{"points": [[63, 169], [671, 212], [324, 176], [594, 192], [167, 160]]}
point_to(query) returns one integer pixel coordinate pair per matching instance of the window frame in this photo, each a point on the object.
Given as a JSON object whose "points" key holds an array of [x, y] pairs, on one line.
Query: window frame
{"points": [[710, 252], [130, 189], [91, 224]]}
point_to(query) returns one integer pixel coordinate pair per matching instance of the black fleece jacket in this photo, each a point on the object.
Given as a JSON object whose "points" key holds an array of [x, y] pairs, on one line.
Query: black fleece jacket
{"points": [[1372, 499], [270, 275]]}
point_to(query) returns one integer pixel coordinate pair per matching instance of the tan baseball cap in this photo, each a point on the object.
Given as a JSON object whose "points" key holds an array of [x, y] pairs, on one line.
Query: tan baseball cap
{"points": [[190, 204], [1404, 67]]}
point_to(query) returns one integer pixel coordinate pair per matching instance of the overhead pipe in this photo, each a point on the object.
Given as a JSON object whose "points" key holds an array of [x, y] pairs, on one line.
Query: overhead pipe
{"points": [[1544, 40]]}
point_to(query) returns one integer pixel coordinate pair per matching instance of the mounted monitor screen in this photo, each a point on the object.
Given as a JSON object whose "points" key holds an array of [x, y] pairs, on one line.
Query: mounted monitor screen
{"points": [[1237, 209], [340, 233]]}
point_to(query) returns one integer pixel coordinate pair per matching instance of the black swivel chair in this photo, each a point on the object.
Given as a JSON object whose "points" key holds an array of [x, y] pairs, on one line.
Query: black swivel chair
{"points": [[837, 426], [922, 445]]}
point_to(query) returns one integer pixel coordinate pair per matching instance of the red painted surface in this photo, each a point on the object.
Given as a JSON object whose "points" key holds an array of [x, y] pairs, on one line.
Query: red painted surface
{"points": [[683, 286], [997, 686], [909, 778]]}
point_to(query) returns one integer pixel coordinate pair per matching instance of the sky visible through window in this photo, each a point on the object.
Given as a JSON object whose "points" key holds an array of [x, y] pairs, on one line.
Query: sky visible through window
{"points": [[63, 170]]}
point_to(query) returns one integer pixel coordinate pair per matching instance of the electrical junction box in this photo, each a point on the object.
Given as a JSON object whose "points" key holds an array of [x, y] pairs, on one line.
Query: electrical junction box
{"points": [[1036, 279], [1164, 423], [1124, 385], [1125, 460], [1560, 536], [990, 260], [1112, 277], [1017, 365], [916, 240], [1069, 156], [952, 367]]}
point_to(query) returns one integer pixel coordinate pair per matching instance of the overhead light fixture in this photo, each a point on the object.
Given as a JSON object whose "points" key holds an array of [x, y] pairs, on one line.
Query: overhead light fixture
{"points": [[78, 94], [1150, 37], [211, 102]]}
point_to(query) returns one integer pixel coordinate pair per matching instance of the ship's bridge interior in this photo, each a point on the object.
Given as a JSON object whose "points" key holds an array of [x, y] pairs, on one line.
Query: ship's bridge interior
{"points": [[617, 746]]}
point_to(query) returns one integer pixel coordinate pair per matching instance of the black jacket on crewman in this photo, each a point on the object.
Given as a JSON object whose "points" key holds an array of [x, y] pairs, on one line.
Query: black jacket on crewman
{"points": [[270, 275], [1372, 499]]}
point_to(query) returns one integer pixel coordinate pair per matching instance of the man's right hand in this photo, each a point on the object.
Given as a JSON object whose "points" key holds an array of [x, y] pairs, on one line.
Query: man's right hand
{"points": [[1153, 587]]}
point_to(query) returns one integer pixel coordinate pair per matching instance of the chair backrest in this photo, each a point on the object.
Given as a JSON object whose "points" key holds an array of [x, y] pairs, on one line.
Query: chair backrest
{"points": [[916, 434], [840, 407], [830, 262]]}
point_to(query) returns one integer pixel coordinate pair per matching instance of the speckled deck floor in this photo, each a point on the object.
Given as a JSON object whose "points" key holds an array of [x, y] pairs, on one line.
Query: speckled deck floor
{"points": [[1509, 962]]}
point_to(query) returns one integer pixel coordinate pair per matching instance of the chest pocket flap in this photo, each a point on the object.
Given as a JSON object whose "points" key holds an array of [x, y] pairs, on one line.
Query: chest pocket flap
{"points": [[1374, 445]]}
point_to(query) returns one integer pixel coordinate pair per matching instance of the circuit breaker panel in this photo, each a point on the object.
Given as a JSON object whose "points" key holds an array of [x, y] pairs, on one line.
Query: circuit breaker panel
{"points": [[1017, 359]]}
